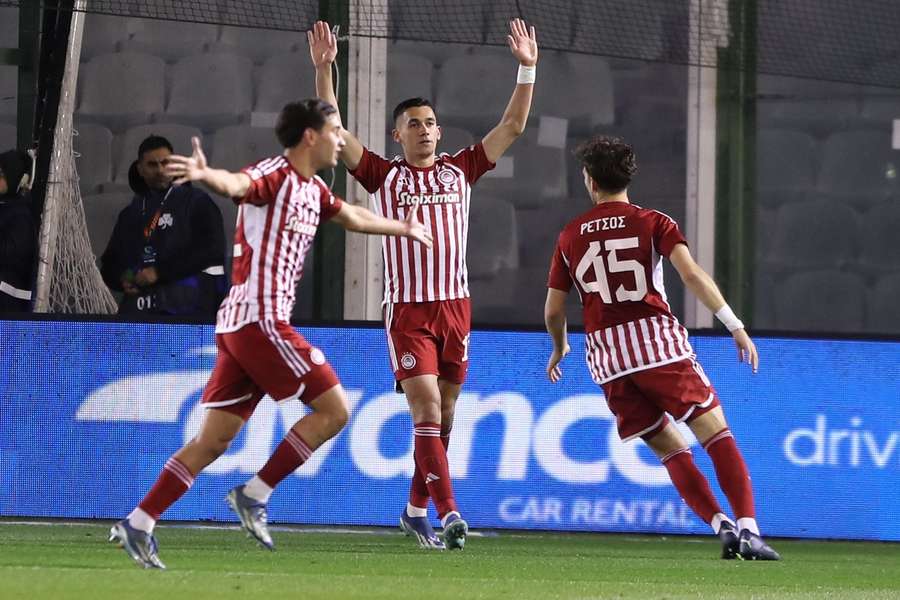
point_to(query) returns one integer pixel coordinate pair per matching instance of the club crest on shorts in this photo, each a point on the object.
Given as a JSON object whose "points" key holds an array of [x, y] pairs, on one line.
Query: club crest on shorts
{"points": [[407, 361], [316, 356]]}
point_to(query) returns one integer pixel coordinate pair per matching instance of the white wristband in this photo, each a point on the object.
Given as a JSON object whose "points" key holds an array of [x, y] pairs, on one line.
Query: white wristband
{"points": [[729, 319], [526, 74]]}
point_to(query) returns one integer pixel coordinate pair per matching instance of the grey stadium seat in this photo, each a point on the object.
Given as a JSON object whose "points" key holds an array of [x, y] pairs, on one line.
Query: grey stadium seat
{"points": [[9, 27], [122, 89], [634, 23], [260, 44], [539, 229], [493, 236], [438, 53], [93, 145], [821, 301], [7, 135], [169, 40], [211, 90], [408, 76], [879, 251], [126, 146], [859, 165], [538, 173], [468, 90], [883, 310], [238, 146], [588, 100], [881, 105], [282, 79], [786, 160], [103, 34], [813, 235], [9, 84], [101, 212], [815, 106]]}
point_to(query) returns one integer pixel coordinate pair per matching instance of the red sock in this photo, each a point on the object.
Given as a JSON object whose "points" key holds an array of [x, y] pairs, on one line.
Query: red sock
{"points": [[731, 471], [691, 484], [173, 481], [289, 455], [418, 491], [431, 460]]}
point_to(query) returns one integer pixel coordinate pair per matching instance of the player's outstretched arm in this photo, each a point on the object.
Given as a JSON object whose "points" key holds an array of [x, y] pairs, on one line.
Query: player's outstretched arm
{"points": [[702, 285], [323, 51], [555, 320], [357, 218], [523, 45], [196, 168]]}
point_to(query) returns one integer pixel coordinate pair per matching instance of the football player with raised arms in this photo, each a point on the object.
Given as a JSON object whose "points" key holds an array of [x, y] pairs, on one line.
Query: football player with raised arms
{"points": [[638, 351], [281, 205], [426, 297]]}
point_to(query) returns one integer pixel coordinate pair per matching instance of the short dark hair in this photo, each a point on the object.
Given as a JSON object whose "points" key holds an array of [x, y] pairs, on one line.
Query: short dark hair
{"points": [[153, 142], [297, 117], [411, 103], [609, 161]]}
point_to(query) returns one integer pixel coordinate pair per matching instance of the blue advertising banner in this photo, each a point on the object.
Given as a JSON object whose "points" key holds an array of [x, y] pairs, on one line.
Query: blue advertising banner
{"points": [[91, 412]]}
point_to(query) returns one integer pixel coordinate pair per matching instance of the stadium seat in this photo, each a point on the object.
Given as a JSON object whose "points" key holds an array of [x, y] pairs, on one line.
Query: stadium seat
{"points": [[819, 107], [408, 76], [125, 147], [493, 237], [121, 90], [763, 300], [93, 159], [639, 31], [9, 85], [860, 166], [537, 173], [494, 296], [9, 27], [539, 229], [284, 78], [881, 105], [436, 52], [172, 41], [883, 310], [260, 44], [7, 135], [879, 250], [821, 301], [785, 160], [211, 90], [461, 95], [100, 213], [103, 34], [238, 146], [816, 234]]}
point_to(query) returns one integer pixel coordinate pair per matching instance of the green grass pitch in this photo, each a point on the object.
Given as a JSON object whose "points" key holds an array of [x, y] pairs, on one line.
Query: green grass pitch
{"points": [[75, 561]]}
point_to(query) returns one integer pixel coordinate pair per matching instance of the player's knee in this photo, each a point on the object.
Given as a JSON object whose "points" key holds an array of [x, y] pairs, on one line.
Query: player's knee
{"points": [[339, 417]]}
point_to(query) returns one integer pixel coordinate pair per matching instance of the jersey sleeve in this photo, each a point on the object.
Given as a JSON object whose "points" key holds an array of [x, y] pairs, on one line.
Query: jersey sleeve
{"points": [[559, 278], [666, 234], [371, 170], [266, 178], [473, 161], [331, 205]]}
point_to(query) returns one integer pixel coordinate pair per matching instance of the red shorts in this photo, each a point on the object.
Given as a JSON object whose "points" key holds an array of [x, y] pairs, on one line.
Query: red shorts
{"points": [[429, 338], [641, 400], [265, 358]]}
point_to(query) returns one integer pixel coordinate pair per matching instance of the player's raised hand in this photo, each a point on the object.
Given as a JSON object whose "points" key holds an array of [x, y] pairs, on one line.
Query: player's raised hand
{"points": [[322, 44], [522, 43], [187, 168], [415, 229], [554, 373], [746, 349]]}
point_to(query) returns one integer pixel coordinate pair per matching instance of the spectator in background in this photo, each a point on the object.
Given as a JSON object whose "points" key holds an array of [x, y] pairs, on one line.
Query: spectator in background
{"points": [[167, 250], [18, 234]]}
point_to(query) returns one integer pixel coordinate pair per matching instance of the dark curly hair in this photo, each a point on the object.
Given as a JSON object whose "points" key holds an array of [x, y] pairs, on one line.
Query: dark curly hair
{"points": [[609, 161], [297, 117]]}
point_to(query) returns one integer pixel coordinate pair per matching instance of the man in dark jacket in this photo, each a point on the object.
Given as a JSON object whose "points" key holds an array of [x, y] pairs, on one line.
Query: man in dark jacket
{"points": [[167, 250], [18, 234]]}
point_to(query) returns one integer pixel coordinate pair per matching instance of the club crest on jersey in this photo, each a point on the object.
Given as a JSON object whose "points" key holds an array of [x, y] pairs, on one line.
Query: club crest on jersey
{"points": [[316, 356], [166, 221], [447, 176], [407, 361]]}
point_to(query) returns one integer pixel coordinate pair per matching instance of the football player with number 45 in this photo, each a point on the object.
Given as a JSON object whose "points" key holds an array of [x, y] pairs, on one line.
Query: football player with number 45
{"points": [[636, 348]]}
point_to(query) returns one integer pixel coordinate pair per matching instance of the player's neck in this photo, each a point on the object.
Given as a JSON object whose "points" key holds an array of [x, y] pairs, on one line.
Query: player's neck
{"points": [[603, 198], [420, 162], [302, 163]]}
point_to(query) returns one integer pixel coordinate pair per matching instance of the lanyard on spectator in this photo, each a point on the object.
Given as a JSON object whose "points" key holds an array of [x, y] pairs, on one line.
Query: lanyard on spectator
{"points": [[154, 221]]}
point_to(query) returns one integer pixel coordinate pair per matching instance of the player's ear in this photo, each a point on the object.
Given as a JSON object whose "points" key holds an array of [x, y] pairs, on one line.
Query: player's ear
{"points": [[439, 133], [310, 136], [396, 135]]}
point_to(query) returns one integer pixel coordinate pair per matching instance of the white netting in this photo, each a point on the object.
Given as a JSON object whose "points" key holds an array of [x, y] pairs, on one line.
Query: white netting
{"points": [[68, 279]]}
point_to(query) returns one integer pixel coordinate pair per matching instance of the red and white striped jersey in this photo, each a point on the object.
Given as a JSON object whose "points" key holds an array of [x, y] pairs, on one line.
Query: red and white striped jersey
{"points": [[412, 272], [276, 223], [613, 253]]}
